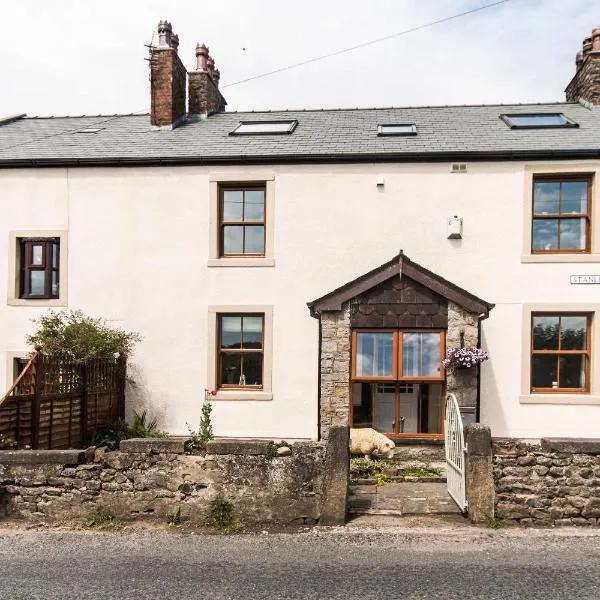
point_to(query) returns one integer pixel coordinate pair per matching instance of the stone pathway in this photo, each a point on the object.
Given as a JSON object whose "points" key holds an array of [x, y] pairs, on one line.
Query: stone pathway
{"points": [[401, 499]]}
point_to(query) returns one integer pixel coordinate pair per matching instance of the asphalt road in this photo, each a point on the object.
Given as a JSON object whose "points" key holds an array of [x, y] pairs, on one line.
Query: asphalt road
{"points": [[408, 565]]}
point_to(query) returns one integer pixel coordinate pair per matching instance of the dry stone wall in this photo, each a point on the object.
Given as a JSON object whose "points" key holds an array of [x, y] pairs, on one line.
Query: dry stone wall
{"points": [[150, 478], [549, 482]]}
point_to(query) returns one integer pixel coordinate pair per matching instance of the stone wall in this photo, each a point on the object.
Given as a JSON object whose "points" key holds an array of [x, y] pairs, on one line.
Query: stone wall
{"points": [[547, 482], [462, 382], [335, 370], [150, 477]]}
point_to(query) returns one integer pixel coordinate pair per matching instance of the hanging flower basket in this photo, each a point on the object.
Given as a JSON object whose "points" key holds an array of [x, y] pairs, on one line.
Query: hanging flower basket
{"points": [[463, 358]]}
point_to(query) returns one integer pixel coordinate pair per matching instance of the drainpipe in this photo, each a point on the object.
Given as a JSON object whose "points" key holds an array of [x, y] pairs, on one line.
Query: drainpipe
{"points": [[482, 317], [319, 380]]}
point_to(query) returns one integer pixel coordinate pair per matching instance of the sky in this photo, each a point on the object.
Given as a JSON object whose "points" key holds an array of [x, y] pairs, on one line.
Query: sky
{"points": [[78, 57]]}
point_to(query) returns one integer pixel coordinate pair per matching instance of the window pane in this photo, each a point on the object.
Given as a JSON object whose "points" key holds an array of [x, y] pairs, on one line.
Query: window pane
{"points": [[545, 234], [546, 197], [55, 284], [574, 197], [421, 354], [231, 368], [231, 332], [255, 239], [572, 234], [253, 362], [233, 206], [374, 354], [37, 255], [573, 333], [55, 255], [572, 371], [543, 371], [253, 327], [233, 239], [36, 283], [545, 333], [254, 205]]}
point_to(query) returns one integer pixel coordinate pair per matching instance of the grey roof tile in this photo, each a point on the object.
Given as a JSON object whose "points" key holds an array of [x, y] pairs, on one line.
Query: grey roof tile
{"points": [[339, 134]]}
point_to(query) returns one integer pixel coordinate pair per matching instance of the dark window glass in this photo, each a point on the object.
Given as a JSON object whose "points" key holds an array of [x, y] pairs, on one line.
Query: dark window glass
{"points": [[561, 215], [560, 352], [39, 268], [242, 221], [241, 351]]}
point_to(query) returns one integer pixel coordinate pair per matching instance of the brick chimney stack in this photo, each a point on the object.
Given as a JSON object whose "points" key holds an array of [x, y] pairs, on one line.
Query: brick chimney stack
{"points": [[167, 80], [585, 85], [204, 97]]}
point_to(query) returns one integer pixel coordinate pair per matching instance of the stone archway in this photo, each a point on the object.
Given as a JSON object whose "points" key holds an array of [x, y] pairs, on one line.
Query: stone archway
{"points": [[398, 294]]}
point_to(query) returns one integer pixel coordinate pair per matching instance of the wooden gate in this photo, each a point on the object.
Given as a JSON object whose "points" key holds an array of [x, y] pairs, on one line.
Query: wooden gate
{"points": [[455, 452]]}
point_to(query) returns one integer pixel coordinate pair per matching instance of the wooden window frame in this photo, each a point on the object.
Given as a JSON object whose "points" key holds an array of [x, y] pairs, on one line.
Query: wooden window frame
{"points": [[397, 375], [220, 351], [26, 245], [563, 178], [241, 187], [587, 353]]}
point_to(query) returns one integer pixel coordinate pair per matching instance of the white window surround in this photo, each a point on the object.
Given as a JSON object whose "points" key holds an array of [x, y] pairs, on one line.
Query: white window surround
{"points": [[268, 260], [211, 379], [592, 169], [527, 397], [10, 363], [14, 267]]}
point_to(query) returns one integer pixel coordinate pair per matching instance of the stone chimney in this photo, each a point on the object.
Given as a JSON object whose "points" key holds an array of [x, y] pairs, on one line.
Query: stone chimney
{"points": [[167, 80], [585, 85], [204, 97]]}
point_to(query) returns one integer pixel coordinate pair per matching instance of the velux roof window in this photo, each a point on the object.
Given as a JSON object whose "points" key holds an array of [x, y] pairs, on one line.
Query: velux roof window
{"points": [[265, 127], [397, 129], [537, 120]]}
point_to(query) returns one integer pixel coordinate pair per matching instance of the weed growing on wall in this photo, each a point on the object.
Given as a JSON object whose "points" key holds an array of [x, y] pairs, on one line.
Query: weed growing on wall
{"points": [[110, 434], [204, 433], [174, 516], [221, 514], [6, 442], [101, 518]]}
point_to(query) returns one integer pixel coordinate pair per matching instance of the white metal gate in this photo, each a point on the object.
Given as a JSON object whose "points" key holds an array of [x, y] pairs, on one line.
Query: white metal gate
{"points": [[455, 452]]}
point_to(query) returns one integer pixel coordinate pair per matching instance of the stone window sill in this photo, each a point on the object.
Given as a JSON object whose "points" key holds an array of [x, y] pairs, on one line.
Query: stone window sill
{"points": [[241, 395], [241, 262], [560, 258], [572, 399], [35, 302]]}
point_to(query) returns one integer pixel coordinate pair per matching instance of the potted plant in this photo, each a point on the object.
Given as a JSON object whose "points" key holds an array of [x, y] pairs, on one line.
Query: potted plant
{"points": [[463, 358]]}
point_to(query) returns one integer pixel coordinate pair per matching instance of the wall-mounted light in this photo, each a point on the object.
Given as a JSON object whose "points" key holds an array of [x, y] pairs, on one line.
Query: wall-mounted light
{"points": [[454, 228], [380, 181]]}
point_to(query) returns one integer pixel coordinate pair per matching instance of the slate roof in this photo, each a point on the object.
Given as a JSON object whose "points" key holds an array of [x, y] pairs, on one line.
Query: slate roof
{"points": [[343, 135]]}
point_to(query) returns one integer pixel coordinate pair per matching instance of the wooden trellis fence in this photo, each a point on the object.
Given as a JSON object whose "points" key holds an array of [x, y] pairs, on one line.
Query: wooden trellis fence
{"points": [[57, 403]]}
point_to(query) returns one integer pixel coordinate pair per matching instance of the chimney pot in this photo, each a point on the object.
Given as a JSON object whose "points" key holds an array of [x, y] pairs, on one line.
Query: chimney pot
{"points": [[216, 76], [175, 42], [210, 65], [165, 31], [596, 39], [587, 45], [201, 57], [578, 59]]}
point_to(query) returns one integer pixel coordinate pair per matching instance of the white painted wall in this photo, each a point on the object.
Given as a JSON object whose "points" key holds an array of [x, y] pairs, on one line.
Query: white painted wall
{"points": [[138, 254]]}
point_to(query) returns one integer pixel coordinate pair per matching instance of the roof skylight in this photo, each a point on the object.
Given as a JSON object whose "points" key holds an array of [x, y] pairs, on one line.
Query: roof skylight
{"points": [[397, 129], [264, 127], [537, 120], [90, 130]]}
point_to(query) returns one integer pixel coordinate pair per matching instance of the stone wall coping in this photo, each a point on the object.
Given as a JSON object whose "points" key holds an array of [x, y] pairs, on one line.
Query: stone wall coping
{"points": [[152, 446], [42, 457], [238, 446], [573, 446]]}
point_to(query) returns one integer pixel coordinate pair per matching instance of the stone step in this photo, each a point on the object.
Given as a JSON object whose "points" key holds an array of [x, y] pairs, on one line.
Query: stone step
{"points": [[421, 453], [405, 499]]}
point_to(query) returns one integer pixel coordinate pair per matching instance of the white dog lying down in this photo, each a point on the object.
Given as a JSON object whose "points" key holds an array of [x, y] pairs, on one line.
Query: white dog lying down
{"points": [[367, 441]]}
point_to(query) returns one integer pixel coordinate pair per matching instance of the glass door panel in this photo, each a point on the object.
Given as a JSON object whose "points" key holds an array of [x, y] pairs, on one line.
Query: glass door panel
{"points": [[384, 407], [421, 408]]}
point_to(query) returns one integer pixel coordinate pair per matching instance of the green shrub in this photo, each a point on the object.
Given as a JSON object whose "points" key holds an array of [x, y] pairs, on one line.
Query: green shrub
{"points": [[72, 335], [174, 515], [366, 467], [221, 513], [102, 518], [111, 433]]}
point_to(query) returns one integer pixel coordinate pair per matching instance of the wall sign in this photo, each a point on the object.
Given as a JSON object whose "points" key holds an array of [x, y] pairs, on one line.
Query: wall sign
{"points": [[582, 279]]}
